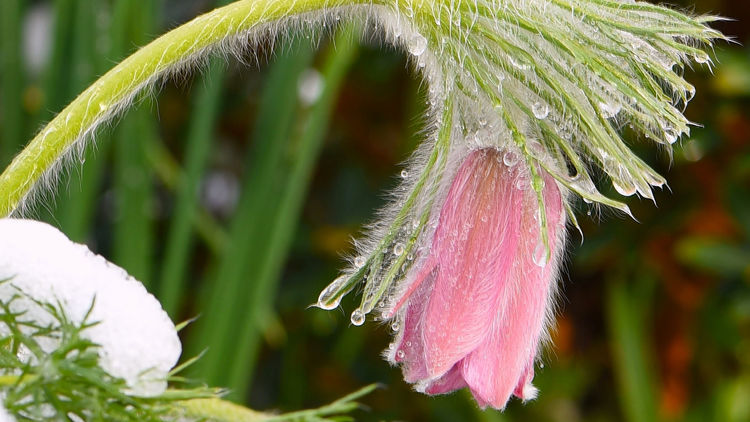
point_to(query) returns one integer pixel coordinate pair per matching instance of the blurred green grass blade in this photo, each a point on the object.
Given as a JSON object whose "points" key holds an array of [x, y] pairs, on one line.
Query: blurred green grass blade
{"points": [[199, 136], [303, 152], [11, 80], [170, 174], [132, 246], [714, 255], [75, 210], [228, 290], [204, 115], [58, 89], [629, 343]]}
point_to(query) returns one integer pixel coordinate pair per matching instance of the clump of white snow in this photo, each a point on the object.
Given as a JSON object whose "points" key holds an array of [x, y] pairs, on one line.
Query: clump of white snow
{"points": [[138, 341]]}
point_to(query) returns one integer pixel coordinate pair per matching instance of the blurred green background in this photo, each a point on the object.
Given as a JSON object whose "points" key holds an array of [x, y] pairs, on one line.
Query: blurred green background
{"points": [[232, 194]]}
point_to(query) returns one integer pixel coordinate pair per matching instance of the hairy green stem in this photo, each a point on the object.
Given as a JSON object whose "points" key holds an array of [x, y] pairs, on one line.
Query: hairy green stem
{"points": [[112, 91]]}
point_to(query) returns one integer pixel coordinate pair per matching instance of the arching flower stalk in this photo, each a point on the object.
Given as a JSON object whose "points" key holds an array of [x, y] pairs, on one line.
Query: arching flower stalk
{"points": [[528, 96]]}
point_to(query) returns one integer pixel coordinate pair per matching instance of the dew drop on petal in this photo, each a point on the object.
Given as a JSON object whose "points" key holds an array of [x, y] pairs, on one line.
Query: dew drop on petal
{"points": [[395, 326], [398, 249], [540, 110], [404, 174], [541, 255], [400, 355], [326, 299], [417, 44], [510, 158], [359, 261], [358, 317]]}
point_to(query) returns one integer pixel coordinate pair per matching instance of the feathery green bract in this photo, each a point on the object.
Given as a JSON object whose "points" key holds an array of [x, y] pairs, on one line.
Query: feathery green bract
{"points": [[554, 82], [67, 381], [42, 383]]}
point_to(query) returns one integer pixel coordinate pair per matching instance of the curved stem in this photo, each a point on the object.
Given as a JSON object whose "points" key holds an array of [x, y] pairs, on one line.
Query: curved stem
{"points": [[113, 91]]}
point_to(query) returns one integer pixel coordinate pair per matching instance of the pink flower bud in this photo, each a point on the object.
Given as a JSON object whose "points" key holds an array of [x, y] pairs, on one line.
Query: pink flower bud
{"points": [[478, 302]]}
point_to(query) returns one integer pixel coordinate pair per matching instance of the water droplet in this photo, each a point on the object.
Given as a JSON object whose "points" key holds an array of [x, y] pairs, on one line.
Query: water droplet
{"points": [[400, 355], [395, 326], [520, 183], [624, 187], [358, 317], [519, 65], [359, 261], [701, 58], [588, 212], [541, 255], [540, 110], [536, 147], [609, 110], [510, 158], [398, 250], [404, 174], [417, 44], [541, 365], [671, 134], [327, 299]]}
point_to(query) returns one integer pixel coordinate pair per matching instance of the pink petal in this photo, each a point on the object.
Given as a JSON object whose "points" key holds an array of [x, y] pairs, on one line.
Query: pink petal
{"points": [[525, 390], [497, 367], [410, 346], [452, 380], [475, 246]]}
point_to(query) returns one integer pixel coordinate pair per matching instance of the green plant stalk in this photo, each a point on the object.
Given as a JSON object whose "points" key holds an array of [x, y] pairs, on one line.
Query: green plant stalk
{"points": [[11, 79], [306, 146], [112, 92]]}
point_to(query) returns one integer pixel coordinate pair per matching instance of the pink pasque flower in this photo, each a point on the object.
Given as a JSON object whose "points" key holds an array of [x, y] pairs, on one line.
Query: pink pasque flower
{"points": [[478, 303]]}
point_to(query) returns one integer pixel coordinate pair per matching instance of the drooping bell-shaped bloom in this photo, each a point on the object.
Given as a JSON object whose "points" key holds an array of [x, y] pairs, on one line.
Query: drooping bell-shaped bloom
{"points": [[477, 305]]}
